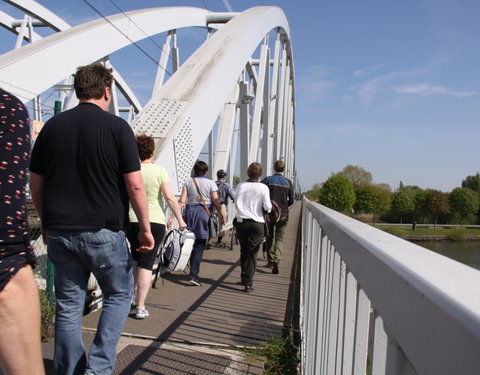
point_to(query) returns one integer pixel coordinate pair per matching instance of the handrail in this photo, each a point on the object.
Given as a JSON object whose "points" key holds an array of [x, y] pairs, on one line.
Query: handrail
{"points": [[368, 294]]}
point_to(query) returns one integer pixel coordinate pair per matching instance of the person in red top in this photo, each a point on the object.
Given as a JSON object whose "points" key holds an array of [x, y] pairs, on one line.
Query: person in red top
{"points": [[20, 351]]}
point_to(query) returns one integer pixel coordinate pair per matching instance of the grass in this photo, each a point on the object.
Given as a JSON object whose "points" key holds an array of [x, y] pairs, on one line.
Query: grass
{"points": [[47, 316], [280, 355], [454, 234]]}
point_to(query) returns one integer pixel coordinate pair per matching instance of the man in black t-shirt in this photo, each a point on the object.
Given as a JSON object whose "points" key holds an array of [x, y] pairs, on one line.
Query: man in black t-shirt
{"points": [[84, 170]]}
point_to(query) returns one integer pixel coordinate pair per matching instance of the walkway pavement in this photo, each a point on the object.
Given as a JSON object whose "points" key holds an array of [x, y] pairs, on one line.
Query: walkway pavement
{"points": [[204, 330]]}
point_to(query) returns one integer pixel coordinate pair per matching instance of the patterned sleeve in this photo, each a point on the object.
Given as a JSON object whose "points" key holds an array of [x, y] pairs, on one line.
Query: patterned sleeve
{"points": [[14, 159]]}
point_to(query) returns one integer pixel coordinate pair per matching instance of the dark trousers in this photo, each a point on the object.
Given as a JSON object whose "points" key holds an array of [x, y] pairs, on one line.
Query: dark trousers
{"points": [[275, 240], [250, 235], [196, 256]]}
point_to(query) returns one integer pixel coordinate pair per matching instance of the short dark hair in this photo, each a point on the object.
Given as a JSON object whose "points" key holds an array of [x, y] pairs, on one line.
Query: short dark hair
{"points": [[91, 81], [279, 166], [145, 146], [254, 171], [200, 168]]}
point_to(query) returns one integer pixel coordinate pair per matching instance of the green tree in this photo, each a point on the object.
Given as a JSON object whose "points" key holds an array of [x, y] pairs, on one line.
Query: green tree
{"points": [[436, 204], [464, 203], [372, 199], [337, 193], [402, 204], [472, 182], [314, 193], [419, 199], [357, 175]]}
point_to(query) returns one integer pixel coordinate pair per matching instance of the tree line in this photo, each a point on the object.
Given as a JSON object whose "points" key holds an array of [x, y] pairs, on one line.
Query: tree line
{"points": [[352, 192]]}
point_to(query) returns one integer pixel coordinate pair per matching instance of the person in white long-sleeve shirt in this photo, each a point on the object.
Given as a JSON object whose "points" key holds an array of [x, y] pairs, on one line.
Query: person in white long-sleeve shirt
{"points": [[251, 200]]}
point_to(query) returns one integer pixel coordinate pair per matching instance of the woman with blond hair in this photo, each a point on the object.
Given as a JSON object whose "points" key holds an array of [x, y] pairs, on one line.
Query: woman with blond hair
{"points": [[157, 187], [252, 198]]}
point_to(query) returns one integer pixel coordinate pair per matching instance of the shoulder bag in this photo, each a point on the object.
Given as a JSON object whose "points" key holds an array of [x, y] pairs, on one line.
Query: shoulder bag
{"points": [[212, 219]]}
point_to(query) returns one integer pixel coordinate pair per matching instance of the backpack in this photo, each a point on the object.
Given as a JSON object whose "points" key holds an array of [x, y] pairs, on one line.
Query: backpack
{"points": [[222, 191], [272, 217], [275, 214], [175, 252]]}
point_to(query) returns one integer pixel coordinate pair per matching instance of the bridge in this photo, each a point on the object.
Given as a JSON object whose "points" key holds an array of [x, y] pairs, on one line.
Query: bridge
{"points": [[367, 302]]}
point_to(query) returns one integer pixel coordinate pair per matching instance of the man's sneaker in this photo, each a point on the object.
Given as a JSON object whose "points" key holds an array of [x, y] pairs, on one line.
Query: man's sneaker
{"points": [[275, 268], [133, 302], [141, 313], [248, 289], [195, 281]]}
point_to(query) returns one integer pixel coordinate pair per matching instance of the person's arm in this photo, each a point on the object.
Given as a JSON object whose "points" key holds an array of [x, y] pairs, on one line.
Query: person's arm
{"points": [[217, 205], [138, 200], [173, 204], [267, 203], [37, 182], [181, 202], [291, 194], [230, 192]]}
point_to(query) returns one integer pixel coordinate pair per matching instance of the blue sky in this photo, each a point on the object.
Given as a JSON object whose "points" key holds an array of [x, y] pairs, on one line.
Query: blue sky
{"points": [[393, 87]]}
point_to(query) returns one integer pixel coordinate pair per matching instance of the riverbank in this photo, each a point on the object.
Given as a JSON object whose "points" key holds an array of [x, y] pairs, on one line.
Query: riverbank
{"points": [[438, 238], [434, 234]]}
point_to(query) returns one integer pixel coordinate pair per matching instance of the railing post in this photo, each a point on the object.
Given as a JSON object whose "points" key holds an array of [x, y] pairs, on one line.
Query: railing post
{"points": [[50, 272]]}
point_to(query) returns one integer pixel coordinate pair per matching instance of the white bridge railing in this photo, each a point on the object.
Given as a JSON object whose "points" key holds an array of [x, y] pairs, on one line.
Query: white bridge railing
{"points": [[375, 304]]}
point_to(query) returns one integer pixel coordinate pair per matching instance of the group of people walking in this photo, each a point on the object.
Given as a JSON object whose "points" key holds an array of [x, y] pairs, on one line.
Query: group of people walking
{"points": [[94, 186]]}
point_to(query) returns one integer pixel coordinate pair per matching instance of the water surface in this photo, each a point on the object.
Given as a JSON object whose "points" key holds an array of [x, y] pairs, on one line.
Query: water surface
{"points": [[467, 252]]}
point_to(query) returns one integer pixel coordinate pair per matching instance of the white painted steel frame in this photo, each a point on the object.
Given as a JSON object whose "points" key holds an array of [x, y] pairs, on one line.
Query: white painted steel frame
{"points": [[195, 95], [45, 17], [203, 84], [426, 307], [84, 44]]}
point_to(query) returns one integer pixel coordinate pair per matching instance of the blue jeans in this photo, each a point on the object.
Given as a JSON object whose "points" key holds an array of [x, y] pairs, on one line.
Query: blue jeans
{"points": [[76, 254], [196, 256]]}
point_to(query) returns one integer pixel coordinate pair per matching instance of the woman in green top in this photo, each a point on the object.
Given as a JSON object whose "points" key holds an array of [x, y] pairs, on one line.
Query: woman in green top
{"points": [[157, 186]]}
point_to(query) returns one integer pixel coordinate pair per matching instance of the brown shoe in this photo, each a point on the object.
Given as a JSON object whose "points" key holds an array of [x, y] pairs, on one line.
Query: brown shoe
{"points": [[275, 268]]}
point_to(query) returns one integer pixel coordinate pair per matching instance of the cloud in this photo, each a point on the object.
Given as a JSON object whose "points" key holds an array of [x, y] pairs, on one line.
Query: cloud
{"points": [[429, 89], [361, 73], [313, 83], [346, 129], [368, 90]]}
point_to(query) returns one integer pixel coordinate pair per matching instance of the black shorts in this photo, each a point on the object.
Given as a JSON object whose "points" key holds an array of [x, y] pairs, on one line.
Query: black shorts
{"points": [[145, 260], [12, 258]]}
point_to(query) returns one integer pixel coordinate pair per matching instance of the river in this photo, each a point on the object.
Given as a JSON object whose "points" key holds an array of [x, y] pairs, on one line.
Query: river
{"points": [[467, 252]]}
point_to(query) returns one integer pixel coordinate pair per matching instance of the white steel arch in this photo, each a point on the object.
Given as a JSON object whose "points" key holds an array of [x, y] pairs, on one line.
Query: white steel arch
{"points": [[182, 113], [248, 100], [44, 17], [85, 44]]}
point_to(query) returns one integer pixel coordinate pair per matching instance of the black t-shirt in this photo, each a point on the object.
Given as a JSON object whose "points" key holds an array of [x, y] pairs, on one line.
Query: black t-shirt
{"points": [[82, 154]]}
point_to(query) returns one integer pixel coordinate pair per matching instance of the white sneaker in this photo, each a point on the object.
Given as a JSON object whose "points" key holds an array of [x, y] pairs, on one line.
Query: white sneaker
{"points": [[141, 313], [133, 302]]}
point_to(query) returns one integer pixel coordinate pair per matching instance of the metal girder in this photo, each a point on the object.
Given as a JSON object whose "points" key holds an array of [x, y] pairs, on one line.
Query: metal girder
{"points": [[41, 13], [183, 112], [259, 104], [85, 44], [202, 85], [225, 134]]}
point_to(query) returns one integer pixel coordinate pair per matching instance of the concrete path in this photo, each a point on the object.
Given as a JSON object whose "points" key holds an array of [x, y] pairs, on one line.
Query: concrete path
{"points": [[204, 330]]}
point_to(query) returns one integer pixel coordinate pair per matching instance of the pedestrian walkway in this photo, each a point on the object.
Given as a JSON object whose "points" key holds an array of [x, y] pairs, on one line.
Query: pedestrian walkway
{"points": [[204, 330]]}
